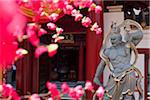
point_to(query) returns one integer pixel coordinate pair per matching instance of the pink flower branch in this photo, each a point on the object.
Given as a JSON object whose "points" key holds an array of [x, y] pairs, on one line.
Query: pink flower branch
{"points": [[74, 93], [12, 25]]}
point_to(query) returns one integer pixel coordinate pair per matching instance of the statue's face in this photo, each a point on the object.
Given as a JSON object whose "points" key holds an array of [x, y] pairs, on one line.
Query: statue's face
{"points": [[115, 38]]}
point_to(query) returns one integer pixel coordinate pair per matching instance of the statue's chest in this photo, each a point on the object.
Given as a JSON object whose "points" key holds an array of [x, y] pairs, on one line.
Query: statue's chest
{"points": [[119, 52]]}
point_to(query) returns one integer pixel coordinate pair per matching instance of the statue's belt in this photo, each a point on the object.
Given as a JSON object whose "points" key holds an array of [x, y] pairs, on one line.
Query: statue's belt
{"points": [[120, 76]]}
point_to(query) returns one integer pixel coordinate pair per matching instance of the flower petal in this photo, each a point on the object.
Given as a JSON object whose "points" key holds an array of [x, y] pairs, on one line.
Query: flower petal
{"points": [[100, 92], [41, 32], [39, 50], [52, 49], [59, 38], [51, 26], [98, 9], [59, 30], [20, 53]]}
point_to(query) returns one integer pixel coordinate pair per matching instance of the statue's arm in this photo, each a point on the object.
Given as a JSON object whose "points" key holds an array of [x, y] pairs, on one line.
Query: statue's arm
{"points": [[135, 37], [99, 71]]}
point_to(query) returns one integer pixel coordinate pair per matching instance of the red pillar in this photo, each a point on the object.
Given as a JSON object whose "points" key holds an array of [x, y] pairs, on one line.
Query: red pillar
{"points": [[93, 45]]}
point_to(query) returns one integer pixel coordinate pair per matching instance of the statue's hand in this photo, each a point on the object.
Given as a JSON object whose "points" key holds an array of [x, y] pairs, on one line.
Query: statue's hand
{"points": [[97, 81]]}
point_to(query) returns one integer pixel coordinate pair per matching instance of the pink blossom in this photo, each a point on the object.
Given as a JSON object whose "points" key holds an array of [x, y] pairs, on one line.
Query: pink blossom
{"points": [[20, 53], [8, 49], [59, 38], [41, 32], [65, 88], [16, 26], [12, 92], [53, 17], [51, 26], [52, 49], [9, 91], [41, 9], [89, 86], [82, 3], [79, 91], [33, 26], [72, 93], [40, 50], [98, 9], [10, 22], [76, 3], [76, 92], [68, 9], [85, 3], [52, 53], [55, 36], [30, 31], [92, 7], [74, 12], [35, 97], [35, 41], [6, 90], [53, 89], [88, 3], [78, 17], [94, 27], [42, 13], [15, 96], [99, 31], [51, 86], [58, 4], [38, 14], [19, 33], [36, 5], [50, 98], [100, 92], [8, 8], [79, 87], [86, 21], [59, 30]]}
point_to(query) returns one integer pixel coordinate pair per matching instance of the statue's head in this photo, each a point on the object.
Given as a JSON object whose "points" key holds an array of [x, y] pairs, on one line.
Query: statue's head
{"points": [[115, 28], [115, 36]]}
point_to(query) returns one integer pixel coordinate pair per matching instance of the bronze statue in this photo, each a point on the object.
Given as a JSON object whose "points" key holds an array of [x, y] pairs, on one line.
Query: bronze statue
{"points": [[122, 80]]}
